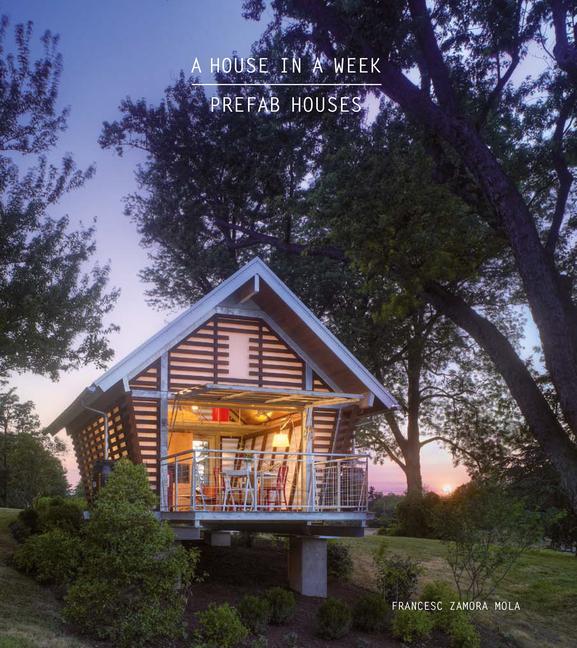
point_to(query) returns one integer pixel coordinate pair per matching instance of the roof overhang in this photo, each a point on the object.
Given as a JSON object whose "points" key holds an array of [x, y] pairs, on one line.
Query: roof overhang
{"points": [[260, 397], [257, 285]]}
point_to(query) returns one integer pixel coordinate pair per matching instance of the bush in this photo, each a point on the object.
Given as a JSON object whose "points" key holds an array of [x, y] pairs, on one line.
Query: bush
{"points": [[51, 558], [396, 576], [49, 513], [339, 561], [371, 613], [415, 516], [334, 619], [486, 532], [26, 524], [255, 612], [220, 626], [133, 582], [64, 513], [282, 605], [455, 623], [409, 625]]}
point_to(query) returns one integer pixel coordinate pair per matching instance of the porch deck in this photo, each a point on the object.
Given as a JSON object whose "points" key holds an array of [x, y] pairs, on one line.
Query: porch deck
{"points": [[270, 491]]}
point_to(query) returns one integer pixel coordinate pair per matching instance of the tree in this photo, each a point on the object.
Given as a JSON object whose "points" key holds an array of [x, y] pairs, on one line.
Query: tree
{"points": [[132, 584], [52, 309], [30, 466], [504, 147]]}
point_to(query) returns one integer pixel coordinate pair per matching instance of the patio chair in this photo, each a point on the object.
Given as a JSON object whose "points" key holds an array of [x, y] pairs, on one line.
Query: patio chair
{"points": [[277, 491]]}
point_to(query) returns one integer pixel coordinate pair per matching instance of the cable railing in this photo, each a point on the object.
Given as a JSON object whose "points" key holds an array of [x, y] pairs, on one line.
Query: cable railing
{"points": [[253, 480]]}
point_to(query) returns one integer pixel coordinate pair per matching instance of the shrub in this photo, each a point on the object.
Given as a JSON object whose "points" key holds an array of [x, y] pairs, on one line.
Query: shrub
{"points": [[415, 516], [409, 625], [396, 576], [339, 561], [64, 513], [486, 532], [220, 626], [371, 613], [455, 623], [334, 619], [282, 605], [383, 531], [49, 513], [255, 612], [132, 585], [51, 558], [26, 524]]}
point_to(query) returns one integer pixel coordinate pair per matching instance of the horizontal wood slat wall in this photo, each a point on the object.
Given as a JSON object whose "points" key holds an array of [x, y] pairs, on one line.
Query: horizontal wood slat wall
{"points": [[148, 379], [203, 357], [146, 417]]}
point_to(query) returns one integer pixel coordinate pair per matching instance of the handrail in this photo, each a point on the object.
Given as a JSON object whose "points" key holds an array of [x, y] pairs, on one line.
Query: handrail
{"points": [[240, 451]]}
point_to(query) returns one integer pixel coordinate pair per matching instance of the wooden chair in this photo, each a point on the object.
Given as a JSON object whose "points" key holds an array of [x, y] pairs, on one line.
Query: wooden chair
{"points": [[278, 489]]}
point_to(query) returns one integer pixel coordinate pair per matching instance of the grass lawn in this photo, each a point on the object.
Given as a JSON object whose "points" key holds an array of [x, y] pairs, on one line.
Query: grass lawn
{"points": [[544, 583], [29, 614]]}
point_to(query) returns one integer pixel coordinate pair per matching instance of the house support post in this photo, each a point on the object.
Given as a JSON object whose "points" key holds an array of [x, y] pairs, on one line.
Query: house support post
{"points": [[219, 538], [307, 565]]}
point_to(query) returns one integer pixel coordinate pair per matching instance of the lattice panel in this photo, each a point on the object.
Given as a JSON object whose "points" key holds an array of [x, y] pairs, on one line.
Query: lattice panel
{"points": [[89, 441]]}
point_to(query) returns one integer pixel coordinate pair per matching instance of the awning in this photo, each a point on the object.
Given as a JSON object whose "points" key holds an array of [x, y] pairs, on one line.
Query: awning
{"points": [[261, 397]]}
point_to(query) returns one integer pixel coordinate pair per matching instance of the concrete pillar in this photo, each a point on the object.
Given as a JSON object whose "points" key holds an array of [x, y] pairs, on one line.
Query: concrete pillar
{"points": [[307, 565], [219, 538]]}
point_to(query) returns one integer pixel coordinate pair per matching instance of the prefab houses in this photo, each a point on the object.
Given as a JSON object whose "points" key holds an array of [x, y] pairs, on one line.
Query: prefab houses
{"points": [[243, 412]]}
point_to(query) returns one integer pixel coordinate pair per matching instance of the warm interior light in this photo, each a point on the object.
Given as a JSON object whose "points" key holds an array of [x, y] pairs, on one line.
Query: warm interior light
{"points": [[280, 440], [194, 408]]}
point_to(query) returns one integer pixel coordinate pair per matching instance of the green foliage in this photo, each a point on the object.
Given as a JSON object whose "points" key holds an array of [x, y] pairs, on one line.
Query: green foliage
{"points": [[455, 623], [409, 625], [220, 626], [339, 561], [52, 558], [486, 532], [396, 576], [133, 583], [255, 612], [47, 513], [334, 619], [371, 613], [415, 516], [43, 263], [283, 605]]}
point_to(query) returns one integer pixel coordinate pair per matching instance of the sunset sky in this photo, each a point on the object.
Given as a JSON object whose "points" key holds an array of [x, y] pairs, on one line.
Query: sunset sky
{"points": [[112, 50]]}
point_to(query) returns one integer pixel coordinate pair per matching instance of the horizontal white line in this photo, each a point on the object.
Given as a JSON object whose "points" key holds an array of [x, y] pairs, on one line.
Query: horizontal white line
{"points": [[288, 84]]}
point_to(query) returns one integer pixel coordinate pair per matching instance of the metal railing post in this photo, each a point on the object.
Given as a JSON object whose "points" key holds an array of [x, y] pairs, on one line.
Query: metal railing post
{"points": [[193, 468], [176, 484], [338, 466]]}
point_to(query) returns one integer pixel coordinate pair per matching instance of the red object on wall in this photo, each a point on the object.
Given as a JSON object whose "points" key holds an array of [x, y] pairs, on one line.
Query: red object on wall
{"points": [[220, 414]]}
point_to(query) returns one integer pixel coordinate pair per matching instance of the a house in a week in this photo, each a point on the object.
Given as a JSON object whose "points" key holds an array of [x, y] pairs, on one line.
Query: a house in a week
{"points": [[243, 412]]}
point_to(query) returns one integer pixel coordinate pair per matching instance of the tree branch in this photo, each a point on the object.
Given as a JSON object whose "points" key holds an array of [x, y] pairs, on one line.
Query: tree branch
{"points": [[564, 52], [495, 94], [563, 174], [436, 67]]}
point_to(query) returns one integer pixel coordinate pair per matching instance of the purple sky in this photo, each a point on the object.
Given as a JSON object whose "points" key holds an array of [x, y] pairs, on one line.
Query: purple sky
{"points": [[136, 48]]}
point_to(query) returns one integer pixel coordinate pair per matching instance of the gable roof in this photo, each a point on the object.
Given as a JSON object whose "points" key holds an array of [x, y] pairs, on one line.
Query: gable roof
{"points": [[256, 287]]}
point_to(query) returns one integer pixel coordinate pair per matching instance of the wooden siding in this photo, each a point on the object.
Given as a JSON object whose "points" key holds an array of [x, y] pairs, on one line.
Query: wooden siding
{"points": [[88, 440], [146, 421], [203, 357], [147, 379]]}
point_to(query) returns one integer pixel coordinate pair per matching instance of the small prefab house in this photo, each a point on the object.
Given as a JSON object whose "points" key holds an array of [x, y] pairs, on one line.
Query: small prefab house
{"points": [[243, 412]]}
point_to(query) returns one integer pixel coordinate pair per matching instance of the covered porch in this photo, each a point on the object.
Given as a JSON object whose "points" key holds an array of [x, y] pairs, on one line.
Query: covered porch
{"points": [[247, 454]]}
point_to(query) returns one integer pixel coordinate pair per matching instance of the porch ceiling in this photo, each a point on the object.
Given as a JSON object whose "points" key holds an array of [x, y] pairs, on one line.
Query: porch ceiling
{"points": [[261, 397]]}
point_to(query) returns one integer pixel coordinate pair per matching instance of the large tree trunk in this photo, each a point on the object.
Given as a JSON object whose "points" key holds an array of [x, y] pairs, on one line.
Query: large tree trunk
{"points": [[545, 426], [547, 298], [412, 449]]}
